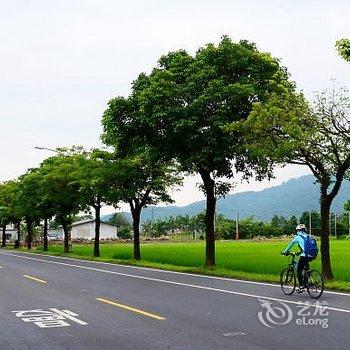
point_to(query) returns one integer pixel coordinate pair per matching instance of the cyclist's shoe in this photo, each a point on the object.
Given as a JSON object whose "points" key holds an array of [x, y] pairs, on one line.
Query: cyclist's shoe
{"points": [[300, 289]]}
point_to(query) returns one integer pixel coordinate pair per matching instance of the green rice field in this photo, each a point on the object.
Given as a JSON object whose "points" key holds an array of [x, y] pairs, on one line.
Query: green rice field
{"points": [[243, 259]]}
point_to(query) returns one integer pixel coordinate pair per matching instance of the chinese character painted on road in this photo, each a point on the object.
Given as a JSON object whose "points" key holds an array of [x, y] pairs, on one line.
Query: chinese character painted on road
{"points": [[53, 318]]}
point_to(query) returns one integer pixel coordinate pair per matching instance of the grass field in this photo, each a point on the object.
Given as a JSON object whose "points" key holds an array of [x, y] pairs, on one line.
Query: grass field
{"points": [[244, 259]]}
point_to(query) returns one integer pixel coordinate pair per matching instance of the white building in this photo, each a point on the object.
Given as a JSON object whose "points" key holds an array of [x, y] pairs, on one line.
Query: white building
{"points": [[86, 230], [11, 233]]}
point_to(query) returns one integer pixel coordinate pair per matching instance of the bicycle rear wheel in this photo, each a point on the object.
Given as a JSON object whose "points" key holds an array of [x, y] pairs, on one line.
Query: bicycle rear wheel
{"points": [[315, 284], [288, 281]]}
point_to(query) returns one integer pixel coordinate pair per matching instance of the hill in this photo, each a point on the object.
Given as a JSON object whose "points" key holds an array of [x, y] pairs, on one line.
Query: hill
{"points": [[290, 198]]}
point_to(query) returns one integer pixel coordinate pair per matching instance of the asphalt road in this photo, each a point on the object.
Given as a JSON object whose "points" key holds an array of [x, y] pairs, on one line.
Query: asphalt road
{"points": [[58, 303]]}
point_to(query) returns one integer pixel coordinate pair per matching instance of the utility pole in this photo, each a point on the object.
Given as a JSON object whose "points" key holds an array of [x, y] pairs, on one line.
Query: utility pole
{"points": [[215, 209], [335, 225], [349, 221], [237, 227], [310, 222]]}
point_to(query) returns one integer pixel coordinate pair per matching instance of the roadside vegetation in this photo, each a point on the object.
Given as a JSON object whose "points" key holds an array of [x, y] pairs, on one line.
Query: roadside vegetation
{"points": [[227, 109], [247, 228]]}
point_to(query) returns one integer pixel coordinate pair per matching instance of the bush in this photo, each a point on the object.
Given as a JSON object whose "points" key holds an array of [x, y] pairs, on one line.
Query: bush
{"points": [[124, 232], [343, 237]]}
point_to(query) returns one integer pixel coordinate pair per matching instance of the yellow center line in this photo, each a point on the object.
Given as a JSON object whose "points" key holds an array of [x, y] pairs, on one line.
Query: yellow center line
{"points": [[34, 279], [129, 308]]}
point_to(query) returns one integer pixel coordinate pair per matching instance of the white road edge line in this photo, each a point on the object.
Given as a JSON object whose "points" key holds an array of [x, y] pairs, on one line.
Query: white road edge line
{"points": [[167, 271], [180, 284]]}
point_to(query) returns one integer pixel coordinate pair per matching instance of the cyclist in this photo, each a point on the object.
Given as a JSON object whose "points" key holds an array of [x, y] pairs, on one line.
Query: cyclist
{"points": [[303, 260]]}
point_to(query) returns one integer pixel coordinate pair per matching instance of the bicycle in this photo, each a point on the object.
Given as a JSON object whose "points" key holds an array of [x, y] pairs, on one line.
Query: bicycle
{"points": [[313, 280]]}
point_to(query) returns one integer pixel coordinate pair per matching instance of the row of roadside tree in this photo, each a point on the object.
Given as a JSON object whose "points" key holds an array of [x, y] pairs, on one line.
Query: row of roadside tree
{"points": [[227, 109], [186, 226]]}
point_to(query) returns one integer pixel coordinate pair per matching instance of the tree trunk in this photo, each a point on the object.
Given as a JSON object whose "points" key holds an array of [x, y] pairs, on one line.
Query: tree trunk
{"points": [[67, 238], [136, 214], [97, 230], [29, 234], [46, 242], [18, 240], [3, 243], [209, 186], [326, 260]]}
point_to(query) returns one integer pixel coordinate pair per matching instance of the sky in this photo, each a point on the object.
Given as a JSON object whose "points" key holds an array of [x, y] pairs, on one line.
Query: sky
{"points": [[62, 61]]}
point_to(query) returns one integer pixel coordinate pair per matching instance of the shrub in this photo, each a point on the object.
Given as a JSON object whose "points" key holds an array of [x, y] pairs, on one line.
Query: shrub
{"points": [[124, 232]]}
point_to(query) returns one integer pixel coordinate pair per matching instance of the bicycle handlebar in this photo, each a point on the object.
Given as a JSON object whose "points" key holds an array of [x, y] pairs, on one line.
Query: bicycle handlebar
{"points": [[291, 253]]}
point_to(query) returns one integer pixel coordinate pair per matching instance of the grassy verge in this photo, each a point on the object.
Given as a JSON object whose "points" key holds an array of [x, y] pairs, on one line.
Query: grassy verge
{"points": [[256, 261]]}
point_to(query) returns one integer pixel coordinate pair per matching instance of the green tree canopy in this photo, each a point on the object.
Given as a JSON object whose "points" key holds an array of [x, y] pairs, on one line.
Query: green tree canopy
{"points": [[141, 181], [95, 177], [61, 188], [288, 130], [181, 110], [343, 47], [9, 211], [29, 201], [119, 220], [347, 205]]}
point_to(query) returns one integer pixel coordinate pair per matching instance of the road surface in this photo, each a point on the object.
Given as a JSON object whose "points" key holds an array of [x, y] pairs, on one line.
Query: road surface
{"points": [[59, 303]]}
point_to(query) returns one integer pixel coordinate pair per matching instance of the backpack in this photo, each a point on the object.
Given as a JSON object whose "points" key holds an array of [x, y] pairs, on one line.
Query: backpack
{"points": [[310, 245]]}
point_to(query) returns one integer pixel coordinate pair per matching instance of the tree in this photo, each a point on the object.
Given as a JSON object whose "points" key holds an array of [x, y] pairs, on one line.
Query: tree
{"points": [[347, 213], [315, 219], [141, 181], [278, 221], [7, 211], [347, 205], [3, 214], [11, 210], [181, 224], [182, 108], [14, 209], [83, 217], [61, 188], [142, 177], [28, 202], [291, 225], [225, 228], [156, 228], [304, 218], [343, 47], [119, 220], [33, 204], [287, 130], [93, 173]]}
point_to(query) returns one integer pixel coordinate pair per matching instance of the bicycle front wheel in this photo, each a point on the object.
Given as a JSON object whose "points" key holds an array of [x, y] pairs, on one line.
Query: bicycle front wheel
{"points": [[288, 281], [315, 284]]}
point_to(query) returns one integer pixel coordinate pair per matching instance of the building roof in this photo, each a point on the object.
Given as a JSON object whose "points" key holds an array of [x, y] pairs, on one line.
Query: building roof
{"points": [[91, 220]]}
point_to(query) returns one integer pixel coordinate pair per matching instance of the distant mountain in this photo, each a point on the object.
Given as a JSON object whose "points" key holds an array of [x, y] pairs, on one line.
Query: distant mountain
{"points": [[290, 198]]}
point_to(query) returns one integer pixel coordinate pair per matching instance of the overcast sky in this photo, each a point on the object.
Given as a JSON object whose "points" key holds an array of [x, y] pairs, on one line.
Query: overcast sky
{"points": [[61, 61]]}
